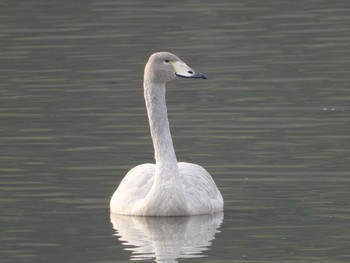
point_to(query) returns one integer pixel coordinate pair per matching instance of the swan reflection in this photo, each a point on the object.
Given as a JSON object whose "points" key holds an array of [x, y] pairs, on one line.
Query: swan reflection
{"points": [[165, 239]]}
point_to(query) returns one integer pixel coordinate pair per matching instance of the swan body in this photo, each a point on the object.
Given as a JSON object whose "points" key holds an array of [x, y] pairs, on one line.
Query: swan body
{"points": [[166, 188]]}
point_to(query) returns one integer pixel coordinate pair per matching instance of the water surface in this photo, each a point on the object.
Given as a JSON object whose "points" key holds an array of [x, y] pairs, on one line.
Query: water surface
{"points": [[271, 124]]}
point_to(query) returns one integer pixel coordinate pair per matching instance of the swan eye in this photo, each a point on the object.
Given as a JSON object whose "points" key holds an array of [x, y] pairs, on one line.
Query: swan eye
{"points": [[166, 61]]}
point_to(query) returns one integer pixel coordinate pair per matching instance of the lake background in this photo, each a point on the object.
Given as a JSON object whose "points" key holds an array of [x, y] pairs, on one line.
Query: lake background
{"points": [[271, 123]]}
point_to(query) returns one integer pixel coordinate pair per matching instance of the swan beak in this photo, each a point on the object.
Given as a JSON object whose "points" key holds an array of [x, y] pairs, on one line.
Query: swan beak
{"points": [[184, 71]]}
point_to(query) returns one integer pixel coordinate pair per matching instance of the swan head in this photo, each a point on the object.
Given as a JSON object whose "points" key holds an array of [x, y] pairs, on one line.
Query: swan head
{"points": [[164, 66]]}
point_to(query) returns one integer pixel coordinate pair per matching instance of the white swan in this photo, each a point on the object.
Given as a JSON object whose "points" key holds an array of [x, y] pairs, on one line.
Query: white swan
{"points": [[166, 188]]}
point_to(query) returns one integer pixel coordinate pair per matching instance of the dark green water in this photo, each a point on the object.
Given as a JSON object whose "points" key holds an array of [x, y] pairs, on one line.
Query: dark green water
{"points": [[271, 124]]}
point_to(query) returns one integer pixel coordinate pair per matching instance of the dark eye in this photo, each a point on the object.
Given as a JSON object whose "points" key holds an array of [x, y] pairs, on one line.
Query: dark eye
{"points": [[166, 61]]}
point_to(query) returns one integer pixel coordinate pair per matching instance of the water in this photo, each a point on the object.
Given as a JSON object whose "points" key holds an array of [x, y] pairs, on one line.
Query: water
{"points": [[270, 124]]}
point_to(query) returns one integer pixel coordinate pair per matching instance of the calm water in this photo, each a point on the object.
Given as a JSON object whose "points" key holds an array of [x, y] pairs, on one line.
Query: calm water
{"points": [[271, 124]]}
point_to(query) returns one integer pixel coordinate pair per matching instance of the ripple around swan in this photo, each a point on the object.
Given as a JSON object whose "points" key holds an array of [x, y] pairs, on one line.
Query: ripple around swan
{"points": [[166, 239]]}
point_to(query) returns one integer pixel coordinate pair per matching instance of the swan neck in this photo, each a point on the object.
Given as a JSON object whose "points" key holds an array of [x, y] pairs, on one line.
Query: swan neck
{"points": [[159, 124]]}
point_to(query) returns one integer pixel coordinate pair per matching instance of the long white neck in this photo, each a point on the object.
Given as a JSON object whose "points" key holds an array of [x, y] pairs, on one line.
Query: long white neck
{"points": [[165, 157], [166, 196]]}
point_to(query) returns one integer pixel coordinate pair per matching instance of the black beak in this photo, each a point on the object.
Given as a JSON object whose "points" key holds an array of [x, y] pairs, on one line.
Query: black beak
{"points": [[193, 75]]}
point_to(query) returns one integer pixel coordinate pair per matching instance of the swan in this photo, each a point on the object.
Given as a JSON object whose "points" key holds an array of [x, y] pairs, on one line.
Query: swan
{"points": [[168, 187]]}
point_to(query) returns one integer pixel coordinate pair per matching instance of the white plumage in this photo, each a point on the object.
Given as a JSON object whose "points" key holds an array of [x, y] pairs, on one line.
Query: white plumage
{"points": [[167, 188]]}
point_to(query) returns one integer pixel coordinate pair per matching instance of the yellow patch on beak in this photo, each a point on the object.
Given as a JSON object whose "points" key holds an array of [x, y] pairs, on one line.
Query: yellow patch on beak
{"points": [[184, 71]]}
